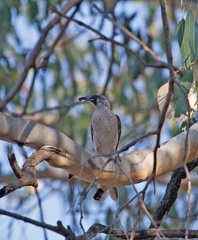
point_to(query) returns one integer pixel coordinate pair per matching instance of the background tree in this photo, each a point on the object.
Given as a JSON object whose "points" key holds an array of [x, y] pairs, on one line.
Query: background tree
{"points": [[52, 54]]}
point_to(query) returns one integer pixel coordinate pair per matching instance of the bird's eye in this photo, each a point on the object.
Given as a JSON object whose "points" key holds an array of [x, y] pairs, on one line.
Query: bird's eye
{"points": [[93, 100]]}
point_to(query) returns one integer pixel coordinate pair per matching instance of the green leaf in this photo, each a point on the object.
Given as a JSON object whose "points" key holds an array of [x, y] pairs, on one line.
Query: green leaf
{"points": [[180, 31], [179, 102], [109, 216], [190, 33], [187, 81], [183, 43], [196, 37], [33, 9], [186, 39], [181, 106]]}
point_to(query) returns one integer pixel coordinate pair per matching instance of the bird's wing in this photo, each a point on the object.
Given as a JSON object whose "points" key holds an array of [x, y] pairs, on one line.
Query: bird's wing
{"points": [[119, 130], [91, 132]]}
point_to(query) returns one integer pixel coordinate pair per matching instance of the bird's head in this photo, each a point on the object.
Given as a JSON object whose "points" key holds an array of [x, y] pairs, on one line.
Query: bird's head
{"points": [[97, 100]]}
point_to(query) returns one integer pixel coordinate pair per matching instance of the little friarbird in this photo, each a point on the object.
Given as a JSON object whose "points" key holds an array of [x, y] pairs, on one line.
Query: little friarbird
{"points": [[105, 132]]}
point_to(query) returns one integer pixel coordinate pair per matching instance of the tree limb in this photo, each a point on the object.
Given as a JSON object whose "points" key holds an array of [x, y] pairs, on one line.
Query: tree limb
{"points": [[56, 229], [99, 228], [64, 153], [27, 175], [171, 193], [141, 234]]}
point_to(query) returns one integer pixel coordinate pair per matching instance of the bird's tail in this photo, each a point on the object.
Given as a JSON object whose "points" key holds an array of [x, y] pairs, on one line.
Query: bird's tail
{"points": [[113, 192]]}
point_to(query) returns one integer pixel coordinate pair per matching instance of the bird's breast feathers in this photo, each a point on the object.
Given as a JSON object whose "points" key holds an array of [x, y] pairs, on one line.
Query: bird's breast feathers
{"points": [[105, 132]]}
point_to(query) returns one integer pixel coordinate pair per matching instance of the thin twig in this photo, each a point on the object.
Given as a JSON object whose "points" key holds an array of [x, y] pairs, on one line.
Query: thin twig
{"points": [[29, 92], [129, 34], [57, 38], [34, 222], [41, 212], [137, 218], [109, 74], [133, 142], [66, 106], [141, 202], [30, 62], [157, 64], [14, 165], [141, 234], [171, 88], [98, 228]]}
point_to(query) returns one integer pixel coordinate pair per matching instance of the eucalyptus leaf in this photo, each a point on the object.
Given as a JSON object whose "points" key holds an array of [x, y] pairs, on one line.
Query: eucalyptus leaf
{"points": [[180, 31], [33, 9], [181, 106], [186, 39], [190, 33], [187, 81]]}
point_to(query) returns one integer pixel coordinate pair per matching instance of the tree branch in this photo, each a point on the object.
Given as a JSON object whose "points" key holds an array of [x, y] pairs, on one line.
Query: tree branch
{"points": [[30, 62], [27, 175], [171, 85], [141, 234], [171, 193], [156, 64], [112, 60], [129, 34], [64, 153], [57, 39], [57, 229], [99, 228]]}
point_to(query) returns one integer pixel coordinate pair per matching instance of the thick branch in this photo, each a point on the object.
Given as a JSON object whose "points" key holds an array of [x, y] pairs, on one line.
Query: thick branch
{"points": [[171, 193], [64, 153]]}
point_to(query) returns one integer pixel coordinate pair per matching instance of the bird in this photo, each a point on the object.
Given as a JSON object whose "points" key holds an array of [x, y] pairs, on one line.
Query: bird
{"points": [[105, 133]]}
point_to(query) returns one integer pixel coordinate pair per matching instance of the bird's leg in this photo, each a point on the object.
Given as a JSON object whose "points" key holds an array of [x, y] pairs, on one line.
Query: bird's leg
{"points": [[116, 158], [70, 176]]}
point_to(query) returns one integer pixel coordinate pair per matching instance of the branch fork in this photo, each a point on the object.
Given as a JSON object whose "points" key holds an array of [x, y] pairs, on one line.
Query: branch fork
{"points": [[25, 176]]}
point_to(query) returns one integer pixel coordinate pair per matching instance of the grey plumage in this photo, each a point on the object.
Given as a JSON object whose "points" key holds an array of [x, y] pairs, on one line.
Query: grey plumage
{"points": [[105, 131]]}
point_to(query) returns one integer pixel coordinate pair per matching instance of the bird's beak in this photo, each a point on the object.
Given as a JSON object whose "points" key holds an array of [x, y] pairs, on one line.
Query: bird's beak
{"points": [[83, 99]]}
